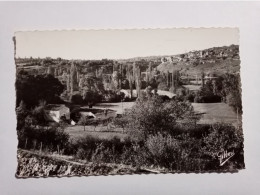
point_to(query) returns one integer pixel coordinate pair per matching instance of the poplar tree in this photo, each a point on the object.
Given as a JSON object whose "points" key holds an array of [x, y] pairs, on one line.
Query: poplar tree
{"points": [[130, 79], [136, 73], [167, 78], [202, 79], [73, 78]]}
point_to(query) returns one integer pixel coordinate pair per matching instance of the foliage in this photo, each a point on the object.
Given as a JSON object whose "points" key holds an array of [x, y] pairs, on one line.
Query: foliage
{"points": [[225, 88], [190, 97], [222, 138], [38, 113], [234, 100], [186, 150], [96, 150], [125, 84], [31, 137], [163, 86], [73, 78], [208, 93], [76, 98], [21, 113], [120, 122], [153, 83], [152, 115], [112, 96], [162, 149], [232, 89], [31, 89], [92, 90], [207, 99], [83, 121]]}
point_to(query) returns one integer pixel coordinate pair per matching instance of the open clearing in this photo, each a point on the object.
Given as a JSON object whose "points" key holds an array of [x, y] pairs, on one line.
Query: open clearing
{"points": [[192, 87], [211, 113], [216, 112], [118, 106], [77, 132]]}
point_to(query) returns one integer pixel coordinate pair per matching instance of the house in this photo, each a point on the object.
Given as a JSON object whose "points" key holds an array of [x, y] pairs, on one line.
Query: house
{"points": [[88, 114], [55, 112]]}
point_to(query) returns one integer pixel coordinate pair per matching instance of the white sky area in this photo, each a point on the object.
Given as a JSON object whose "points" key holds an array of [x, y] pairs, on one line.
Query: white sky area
{"points": [[121, 44]]}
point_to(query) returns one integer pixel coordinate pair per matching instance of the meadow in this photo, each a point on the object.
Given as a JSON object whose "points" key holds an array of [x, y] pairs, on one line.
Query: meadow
{"points": [[76, 132], [216, 112]]}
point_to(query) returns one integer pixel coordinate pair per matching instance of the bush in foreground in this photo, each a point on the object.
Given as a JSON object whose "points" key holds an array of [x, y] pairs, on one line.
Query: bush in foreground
{"points": [[180, 152]]}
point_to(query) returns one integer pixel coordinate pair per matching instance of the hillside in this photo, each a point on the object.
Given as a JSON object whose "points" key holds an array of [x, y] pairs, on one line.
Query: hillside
{"points": [[218, 60]]}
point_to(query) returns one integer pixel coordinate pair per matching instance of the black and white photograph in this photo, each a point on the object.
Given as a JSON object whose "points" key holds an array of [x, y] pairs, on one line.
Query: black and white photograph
{"points": [[123, 102]]}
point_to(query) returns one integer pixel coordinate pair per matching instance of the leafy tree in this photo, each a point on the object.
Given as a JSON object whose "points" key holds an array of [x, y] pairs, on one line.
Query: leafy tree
{"points": [[21, 113], [47, 61], [76, 98], [225, 88], [51, 70], [92, 83], [33, 88], [207, 89], [208, 93], [222, 137], [218, 87], [39, 114], [125, 84], [92, 90], [153, 83], [153, 115], [91, 97], [232, 89], [115, 80], [83, 121], [51, 137]]}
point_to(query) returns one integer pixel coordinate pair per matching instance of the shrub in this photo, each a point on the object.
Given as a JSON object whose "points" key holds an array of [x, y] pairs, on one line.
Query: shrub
{"points": [[186, 150], [234, 100], [91, 97], [197, 98], [113, 96], [173, 153], [223, 137], [94, 149], [32, 88], [162, 150], [163, 86], [190, 97], [207, 99], [152, 115], [51, 136], [232, 89], [76, 98]]}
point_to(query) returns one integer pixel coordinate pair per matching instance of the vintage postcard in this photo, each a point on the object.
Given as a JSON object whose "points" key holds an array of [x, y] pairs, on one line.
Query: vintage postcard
{"points": [[108, 102]]}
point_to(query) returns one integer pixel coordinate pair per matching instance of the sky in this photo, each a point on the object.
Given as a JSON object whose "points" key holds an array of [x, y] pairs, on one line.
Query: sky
{"points": [[120, 44]]}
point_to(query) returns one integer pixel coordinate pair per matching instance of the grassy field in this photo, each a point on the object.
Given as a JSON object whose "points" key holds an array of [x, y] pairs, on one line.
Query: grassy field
{"points": [[77, 132], [101, 131], [216, 112], [211, 113], [192, 87], [118, 106]]}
